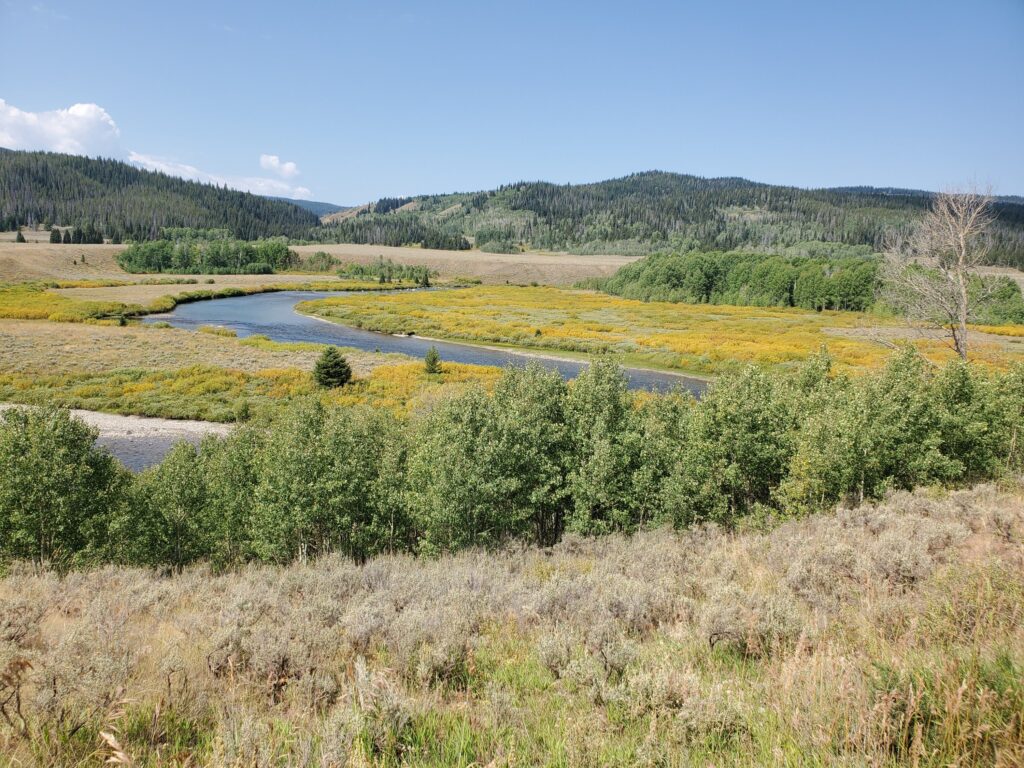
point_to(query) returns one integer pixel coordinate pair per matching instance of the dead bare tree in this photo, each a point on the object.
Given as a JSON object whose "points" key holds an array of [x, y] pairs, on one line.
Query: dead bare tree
{"points": [[932, 275]]}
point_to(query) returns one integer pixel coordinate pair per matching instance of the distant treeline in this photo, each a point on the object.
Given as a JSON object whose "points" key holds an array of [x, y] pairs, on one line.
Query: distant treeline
{"points": [[395, 229], [841, 278], [212, 252], [125, 202], [534, 460], [387, 271]]}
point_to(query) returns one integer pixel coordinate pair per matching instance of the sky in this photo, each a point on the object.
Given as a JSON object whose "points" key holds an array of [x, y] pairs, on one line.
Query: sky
{"points": [[346, 102]]}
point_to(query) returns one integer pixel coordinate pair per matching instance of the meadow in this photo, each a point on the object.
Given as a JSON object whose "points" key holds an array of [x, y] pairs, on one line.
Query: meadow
{"points": [[696, 338], [39, 260], [882, 635], [210, 375]]}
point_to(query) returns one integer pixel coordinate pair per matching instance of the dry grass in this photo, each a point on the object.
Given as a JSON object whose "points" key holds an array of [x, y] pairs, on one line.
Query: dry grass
{"points": [[42, 261], [493, 268], [29, 346], [884, 636]]}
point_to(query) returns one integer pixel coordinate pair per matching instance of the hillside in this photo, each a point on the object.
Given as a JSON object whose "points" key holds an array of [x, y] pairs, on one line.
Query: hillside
{"points": [[120, 199], [319, 208], [652, 211]]}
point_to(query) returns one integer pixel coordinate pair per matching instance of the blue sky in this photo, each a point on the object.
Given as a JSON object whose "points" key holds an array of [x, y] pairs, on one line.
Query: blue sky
{"points": [[361, 100]]}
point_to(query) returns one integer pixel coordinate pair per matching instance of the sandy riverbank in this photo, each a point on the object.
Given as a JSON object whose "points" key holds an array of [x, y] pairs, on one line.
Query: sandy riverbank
{"points": [[140, 441]]}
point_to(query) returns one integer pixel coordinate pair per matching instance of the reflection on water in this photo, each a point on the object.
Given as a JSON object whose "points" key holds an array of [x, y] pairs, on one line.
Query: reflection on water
{"points": [[274, 315]]}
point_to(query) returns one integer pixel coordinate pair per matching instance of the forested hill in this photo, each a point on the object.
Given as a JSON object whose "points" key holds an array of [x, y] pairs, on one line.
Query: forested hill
{"points": [[320, 209], [647, 212], [120, 199], [637, 214]]}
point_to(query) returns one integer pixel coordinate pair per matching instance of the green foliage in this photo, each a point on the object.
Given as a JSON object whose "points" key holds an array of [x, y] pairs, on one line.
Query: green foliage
{"points": [[835, 282], [486, 469], [534, 459], [319, 486], [394, 228], [109, 196], [170, 522], [19, 238], [432, 361], [189, 251], [387, 271], [332, 369], [58, 491], [55, 235]]}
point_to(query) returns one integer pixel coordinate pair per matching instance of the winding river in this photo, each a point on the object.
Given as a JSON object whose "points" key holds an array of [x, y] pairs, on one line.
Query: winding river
{"points": [[274, 315]]}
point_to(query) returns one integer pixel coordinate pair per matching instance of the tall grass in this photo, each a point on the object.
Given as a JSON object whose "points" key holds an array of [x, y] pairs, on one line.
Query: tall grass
{"points": [[881, 635]]}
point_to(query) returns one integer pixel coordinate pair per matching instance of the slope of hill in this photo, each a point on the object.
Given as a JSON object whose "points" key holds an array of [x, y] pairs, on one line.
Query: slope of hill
{"points": [[652, 211], [121, 199], [319, 208]]}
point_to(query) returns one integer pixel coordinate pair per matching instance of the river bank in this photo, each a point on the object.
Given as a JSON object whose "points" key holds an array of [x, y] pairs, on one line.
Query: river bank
{"points": [[141, 441]]}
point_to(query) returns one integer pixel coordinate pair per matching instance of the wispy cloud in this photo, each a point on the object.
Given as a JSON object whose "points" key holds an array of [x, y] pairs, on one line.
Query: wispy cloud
{"points": [[273, 163], [42, 9], [81, 129], [256, 184]]}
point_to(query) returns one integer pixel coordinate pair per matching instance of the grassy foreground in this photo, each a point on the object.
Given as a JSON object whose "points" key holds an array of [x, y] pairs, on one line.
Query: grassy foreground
{"points": [[692, 337], [882, 635]]}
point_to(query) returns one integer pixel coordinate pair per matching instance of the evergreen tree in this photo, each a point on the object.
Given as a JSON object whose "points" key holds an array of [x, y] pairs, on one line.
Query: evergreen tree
{"points": [[66, 240], [19, 238], [54, 235], [432, 361], [332, 369]]}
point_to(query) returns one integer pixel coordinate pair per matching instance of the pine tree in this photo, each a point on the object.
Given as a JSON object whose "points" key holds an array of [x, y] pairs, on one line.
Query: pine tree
{"points": [[432, 361], [332, 369], [19, 238], [54, 235], [66, 240]]}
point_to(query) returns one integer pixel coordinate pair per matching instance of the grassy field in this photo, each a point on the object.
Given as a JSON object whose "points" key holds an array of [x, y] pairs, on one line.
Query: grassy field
{"points": [[43, 261], [172, 373], [885, 635], [700, 338], [491, 268]]}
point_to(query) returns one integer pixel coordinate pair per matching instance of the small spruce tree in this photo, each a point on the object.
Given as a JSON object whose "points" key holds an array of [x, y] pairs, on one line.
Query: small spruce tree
{"points": [[332, 369], [432, 361], [54, 235], [19, 238], [66, 240]]}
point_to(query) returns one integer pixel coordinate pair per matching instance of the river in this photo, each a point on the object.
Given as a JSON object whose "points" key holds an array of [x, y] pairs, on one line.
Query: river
{"points": [[274, 316]]}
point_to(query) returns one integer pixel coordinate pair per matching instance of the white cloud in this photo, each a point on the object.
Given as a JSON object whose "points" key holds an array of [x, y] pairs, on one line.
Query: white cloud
{"points": [[81, 129], [255, 184], [273, 163], [88, 129]]}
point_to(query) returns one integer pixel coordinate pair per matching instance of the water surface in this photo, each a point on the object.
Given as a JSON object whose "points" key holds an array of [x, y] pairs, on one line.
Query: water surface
{"points": [[274, 316]]}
